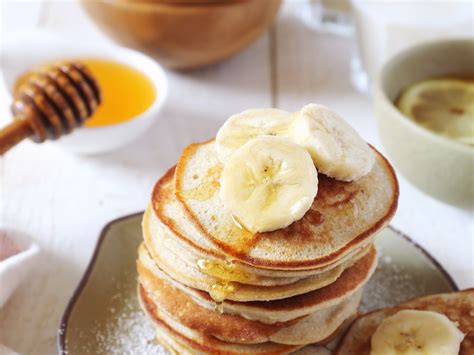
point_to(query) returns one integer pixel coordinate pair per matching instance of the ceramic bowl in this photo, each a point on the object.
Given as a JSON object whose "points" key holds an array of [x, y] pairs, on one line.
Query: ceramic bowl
{"points": [[184, 34], [439, 166], [48, 46]]}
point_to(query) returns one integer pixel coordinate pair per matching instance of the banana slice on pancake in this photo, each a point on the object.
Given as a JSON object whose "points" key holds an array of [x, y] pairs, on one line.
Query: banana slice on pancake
{"points": [[268, 183], [336, 148], [249, 124], [416, 332]]}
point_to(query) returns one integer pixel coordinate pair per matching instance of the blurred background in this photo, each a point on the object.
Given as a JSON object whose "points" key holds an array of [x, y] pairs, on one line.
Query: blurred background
{"points": [[219, 57]]}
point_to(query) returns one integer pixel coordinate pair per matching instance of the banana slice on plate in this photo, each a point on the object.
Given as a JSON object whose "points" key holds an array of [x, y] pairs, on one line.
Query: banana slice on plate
{"points": [[416, 332], [244, 126], [336, 148], [268, 183]]}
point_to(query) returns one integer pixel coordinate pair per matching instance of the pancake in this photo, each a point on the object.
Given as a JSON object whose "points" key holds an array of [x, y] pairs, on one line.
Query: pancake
{"points": [[184, 309], [158, 237], [343, 215], [171, 262], [320, 325], [327, 346], [233, 328], [182, 231], [457, 306], [351, 281], [186, 341]]}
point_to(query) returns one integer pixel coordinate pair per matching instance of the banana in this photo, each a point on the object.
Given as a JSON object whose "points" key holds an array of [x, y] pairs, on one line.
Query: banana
{"points": [[268, 183], [244, 126], [416, 332], [336, 148]]}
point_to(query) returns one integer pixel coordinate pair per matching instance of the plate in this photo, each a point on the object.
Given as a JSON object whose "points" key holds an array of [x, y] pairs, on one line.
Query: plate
{"points": [[103, 315]]}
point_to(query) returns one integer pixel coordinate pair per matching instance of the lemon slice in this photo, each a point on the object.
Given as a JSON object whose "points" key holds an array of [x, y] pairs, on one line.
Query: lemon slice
{"points": [[445, 106]]}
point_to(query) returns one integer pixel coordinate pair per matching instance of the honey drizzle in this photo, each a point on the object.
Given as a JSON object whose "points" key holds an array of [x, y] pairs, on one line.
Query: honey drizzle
{"points": [[225, 271], [220, 291], [219, 308], [238, 236], [208, 187]]}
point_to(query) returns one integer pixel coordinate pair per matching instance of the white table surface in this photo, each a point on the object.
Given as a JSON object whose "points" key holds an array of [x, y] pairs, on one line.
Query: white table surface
{"points": [[63, 200]]}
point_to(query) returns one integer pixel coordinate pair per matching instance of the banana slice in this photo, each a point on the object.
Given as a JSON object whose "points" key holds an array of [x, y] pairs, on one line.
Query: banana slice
{"points": [[336, 148], [244, 126], [416, 333], [268, 183]]}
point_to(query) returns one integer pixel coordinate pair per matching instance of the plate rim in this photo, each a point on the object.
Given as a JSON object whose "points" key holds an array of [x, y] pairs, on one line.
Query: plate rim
{"points": [[63, 325], [62, 330]]}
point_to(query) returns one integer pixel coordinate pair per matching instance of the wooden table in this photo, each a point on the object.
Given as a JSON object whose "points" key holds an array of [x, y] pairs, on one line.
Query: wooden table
{"points": [[63, 200]]}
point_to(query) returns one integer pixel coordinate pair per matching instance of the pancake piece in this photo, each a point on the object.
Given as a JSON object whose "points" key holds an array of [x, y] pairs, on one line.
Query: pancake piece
{"points": [[457, 306], [350, 282], [175, 223], [343, 215], [187, 341]]}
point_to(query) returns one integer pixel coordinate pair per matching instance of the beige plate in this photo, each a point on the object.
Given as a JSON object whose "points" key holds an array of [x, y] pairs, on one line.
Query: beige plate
{"points": [[103, 315]]}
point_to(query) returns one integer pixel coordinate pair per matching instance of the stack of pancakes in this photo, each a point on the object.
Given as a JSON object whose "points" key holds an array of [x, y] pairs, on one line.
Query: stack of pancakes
{"points": [[210, 286]]}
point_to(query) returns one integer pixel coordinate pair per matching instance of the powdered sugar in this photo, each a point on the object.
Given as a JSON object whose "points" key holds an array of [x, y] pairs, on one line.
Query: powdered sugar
{"points": [[400, 276], [128, 332], [122, 328]]}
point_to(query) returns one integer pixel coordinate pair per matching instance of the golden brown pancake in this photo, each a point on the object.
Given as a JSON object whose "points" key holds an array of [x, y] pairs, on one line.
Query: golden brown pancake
{"points": [[343, 215], [158, 238], [233, 328], [198, 344], [230, 327], [351, 281], [457, 306], [171, 261], [181, 231]]}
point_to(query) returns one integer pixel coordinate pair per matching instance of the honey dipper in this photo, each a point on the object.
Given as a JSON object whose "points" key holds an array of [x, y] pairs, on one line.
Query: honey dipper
{"points": [[51, 103]]}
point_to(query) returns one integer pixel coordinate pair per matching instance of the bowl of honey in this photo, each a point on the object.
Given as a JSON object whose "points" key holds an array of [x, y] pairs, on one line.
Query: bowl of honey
{"points": [[133, 87], [424, 105]]}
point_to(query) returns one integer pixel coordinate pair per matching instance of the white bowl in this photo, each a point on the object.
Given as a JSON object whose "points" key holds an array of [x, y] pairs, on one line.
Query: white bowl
{"points": [[440, 166], [29, 48]]}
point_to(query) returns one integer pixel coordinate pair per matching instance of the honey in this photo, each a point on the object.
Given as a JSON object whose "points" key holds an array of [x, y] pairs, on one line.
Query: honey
{"points": [[226, 271], [126, 91], [237, 235], [208, 187], [220, 291]]}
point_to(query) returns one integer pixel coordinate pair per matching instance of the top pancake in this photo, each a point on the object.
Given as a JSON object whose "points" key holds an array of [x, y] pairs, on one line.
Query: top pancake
{"points": [[457, 306], [173, 219], [343, 215]]}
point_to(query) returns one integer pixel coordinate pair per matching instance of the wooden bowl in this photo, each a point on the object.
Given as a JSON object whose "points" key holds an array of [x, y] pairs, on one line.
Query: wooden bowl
{"points": [[184, 34]]}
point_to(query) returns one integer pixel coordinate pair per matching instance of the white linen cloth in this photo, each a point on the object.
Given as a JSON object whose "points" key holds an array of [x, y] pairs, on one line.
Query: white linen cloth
{"points": [[17, 255]]}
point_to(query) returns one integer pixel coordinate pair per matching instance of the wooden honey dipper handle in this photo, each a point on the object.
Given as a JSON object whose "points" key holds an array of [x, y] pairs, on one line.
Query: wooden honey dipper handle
{"points": [[53, 102], [14, 133]]}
